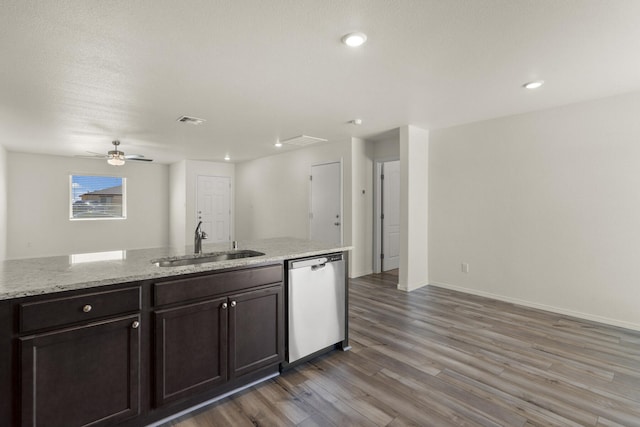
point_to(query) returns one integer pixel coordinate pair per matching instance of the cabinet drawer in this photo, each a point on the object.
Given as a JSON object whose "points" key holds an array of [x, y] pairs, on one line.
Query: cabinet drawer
{"points": [[62, 311], [215, 284]]}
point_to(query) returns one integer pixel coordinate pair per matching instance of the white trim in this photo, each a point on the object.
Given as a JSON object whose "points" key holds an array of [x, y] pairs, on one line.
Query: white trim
{"points": [[231, 202], [341, 163], [123, 179], [377, 210], [355, 274], [553, 309]]}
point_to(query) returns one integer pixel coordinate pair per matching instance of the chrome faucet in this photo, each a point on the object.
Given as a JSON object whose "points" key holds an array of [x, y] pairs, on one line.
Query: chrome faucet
{"points": [[200, 235]]}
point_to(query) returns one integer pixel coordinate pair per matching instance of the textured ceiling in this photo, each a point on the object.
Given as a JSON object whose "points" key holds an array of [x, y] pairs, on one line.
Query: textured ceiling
{"points": [[76, 74]]}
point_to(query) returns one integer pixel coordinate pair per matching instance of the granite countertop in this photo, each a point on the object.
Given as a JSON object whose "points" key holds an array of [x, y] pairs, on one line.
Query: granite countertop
{"points": [[35, 276]]}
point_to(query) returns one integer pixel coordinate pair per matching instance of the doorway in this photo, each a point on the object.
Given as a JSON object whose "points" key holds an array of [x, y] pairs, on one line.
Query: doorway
{"points": [[213, 207], [325, 210], [387, 216]]}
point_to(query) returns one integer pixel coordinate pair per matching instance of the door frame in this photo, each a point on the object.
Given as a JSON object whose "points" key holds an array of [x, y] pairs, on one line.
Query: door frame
{"points": [[377, 211], [231, 203], [340, 162]]}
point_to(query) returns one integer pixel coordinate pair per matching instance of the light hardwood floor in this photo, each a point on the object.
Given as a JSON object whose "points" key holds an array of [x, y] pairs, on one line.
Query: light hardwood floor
{"points": [[442, 358]]}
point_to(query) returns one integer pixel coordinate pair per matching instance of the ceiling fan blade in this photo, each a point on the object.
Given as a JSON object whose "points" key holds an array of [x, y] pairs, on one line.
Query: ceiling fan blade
{"points": [[137, 157], [96, 157]]}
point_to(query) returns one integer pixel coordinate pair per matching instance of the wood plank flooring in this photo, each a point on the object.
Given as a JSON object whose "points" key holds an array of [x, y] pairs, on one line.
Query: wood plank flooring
{"points": [[436, 357]]}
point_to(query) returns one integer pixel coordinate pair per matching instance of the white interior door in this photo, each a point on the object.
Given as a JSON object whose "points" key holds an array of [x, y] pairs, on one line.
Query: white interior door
{"points": [[391, 215], [214, 207], [325, 216]]}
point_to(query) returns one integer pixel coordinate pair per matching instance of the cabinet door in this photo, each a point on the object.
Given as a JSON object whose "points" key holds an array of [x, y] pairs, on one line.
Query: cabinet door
{"points": [[191, 349], [88, 375], [256, 330]]}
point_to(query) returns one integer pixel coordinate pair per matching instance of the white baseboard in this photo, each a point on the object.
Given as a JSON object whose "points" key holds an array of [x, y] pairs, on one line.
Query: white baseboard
{"points": [[355, 275], [553, 309]]}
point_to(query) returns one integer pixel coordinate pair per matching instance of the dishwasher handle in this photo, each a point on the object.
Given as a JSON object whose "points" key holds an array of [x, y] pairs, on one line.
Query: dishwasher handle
{"points": [[315, 263], [318, 266]]}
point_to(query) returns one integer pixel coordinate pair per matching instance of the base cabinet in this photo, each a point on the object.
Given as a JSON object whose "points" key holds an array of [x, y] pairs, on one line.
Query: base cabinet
{"points": [[87, 375], [256, 330], [204, 345], [191, 349], [135, 353]]}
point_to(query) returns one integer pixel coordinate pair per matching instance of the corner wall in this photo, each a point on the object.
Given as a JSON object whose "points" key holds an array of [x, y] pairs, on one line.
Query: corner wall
{"points": [[272, 197], [177, 204], [544, 207], [38, 207], [361, 261], [3, 203], [414, 208]]}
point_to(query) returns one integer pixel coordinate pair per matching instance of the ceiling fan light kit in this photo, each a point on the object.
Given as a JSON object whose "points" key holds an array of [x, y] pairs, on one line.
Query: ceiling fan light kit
{"points": [[115, 157]]}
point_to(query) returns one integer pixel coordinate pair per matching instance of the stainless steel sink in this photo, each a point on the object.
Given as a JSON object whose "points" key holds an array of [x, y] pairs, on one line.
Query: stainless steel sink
{"points": [[207, 257]]}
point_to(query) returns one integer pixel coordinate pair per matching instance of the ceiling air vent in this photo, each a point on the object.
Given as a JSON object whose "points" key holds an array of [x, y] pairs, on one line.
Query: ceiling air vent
{"points": [[303, 140], [191, 120]]}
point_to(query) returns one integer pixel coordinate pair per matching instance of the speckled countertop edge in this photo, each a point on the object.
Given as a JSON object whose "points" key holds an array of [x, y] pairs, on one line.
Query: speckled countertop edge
{"points": [[37, 276]]}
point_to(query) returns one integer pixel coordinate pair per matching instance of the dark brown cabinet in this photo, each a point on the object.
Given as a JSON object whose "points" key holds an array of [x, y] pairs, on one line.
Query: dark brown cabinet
{"points": [[134, 353], [191, 349], [80, 376], [255, 330], [204, 345]]}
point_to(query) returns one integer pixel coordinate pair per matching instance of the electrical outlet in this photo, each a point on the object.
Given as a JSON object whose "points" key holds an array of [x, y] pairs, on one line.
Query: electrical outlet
{"points": [[464, 267]]}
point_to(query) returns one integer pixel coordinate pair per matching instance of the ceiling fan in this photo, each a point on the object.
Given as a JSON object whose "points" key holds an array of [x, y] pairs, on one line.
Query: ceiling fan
{"points": [[116, 157]]}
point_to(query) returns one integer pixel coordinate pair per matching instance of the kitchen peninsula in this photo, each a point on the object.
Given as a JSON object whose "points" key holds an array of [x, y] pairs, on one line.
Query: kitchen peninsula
{"points": [[123, 341]]}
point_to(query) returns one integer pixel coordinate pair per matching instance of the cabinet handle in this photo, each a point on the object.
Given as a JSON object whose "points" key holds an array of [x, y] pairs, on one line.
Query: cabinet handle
{"points": [[233, 303], [224, 305], [87, 308], [135, 324]]}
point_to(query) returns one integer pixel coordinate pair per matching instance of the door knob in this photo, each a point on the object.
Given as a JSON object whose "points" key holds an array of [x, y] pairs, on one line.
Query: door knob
{"points": [[135, 324]]}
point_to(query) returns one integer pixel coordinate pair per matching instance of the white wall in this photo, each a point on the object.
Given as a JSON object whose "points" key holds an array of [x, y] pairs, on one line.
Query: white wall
{"points": [[414, 208], [178, 204], [388, 149], [272, 197], [3, 203], [272, 193], [361, 208], [38, 207], [545, 208]]}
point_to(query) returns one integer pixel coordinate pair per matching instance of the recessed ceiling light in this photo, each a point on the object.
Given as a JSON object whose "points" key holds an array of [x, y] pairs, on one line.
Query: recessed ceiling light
{"points": [[356, 122], [354, 39], [227, 157], [278, 144], [533, 85]]}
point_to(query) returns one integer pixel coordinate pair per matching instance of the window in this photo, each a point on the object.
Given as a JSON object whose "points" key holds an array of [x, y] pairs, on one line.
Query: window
{"points": [[98, 197]]}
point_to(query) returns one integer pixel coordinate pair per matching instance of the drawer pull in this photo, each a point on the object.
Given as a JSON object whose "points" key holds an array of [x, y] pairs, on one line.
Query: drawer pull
{"points": [[224, 305], [233, 303], [135, 324], [87, 308]]}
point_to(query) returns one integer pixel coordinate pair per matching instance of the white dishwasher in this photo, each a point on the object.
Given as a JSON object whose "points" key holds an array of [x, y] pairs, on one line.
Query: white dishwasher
{"points": [[316, 295]]}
